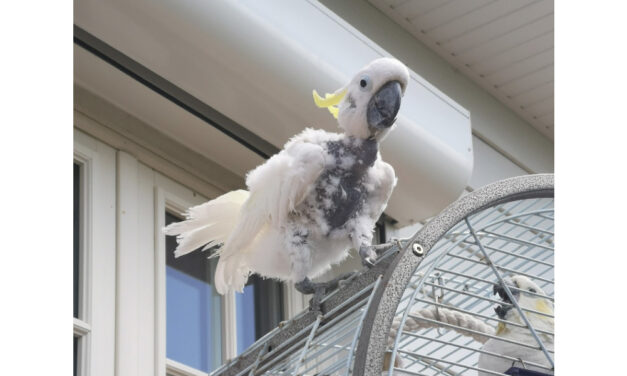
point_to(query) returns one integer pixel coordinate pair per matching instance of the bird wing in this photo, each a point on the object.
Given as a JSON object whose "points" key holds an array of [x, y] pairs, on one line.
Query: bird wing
{"points": [[380, 183], [276, 188]]}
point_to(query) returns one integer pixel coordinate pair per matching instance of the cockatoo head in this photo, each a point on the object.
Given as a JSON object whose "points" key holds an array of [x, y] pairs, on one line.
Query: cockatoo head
{"points": [[367, 107], [528, 295]]}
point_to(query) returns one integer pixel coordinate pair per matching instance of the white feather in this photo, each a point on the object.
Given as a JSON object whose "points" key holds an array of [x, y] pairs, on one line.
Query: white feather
{"points": [[212, 222], [285, 179]]}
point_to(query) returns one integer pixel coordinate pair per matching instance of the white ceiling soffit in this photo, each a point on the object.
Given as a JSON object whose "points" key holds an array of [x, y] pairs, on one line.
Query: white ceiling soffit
{"points": [[504, 46], [257, 63]]}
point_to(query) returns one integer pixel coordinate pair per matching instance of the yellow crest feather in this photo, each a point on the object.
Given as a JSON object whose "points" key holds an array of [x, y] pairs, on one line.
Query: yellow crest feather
{"points": [[330, 101], [500, 328], [542, 306]]}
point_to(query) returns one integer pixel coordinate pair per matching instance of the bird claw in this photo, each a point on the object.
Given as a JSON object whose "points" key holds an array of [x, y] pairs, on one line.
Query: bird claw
{"points": [[367, 262], [305, 286], [368, 255]]}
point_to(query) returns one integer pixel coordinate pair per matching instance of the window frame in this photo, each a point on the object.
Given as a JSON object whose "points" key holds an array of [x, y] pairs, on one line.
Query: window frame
{"points": [[81, 326], [95, 325]]}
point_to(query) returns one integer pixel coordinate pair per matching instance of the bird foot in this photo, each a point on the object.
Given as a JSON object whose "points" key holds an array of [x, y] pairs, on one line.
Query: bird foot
{"points": [[319, 289], [305, 286], [369, 253]]}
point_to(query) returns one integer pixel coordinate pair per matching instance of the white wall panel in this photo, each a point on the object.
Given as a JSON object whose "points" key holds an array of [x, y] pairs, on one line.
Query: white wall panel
{"points": [[491, 166]]}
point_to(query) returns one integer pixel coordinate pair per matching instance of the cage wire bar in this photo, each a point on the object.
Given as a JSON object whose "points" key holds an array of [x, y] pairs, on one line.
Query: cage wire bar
{"points": [[395, 318]]}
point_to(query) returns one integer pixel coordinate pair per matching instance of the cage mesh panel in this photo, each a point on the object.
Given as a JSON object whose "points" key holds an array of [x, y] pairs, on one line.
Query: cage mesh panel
{"points": [[518, 238]]}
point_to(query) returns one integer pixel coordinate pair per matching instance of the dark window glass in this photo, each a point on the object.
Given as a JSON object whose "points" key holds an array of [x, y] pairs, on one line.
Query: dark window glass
{"points": [[192, 308], [76, 233], [75, 355], [379, 233]]}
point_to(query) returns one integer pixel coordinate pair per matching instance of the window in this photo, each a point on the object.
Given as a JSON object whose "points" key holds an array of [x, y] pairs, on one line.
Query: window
{"points": [[193, 308], [81, 327]]}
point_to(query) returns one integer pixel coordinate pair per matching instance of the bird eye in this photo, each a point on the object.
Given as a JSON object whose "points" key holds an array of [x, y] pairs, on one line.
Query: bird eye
{"points": [[532, 290], [365, 83]]}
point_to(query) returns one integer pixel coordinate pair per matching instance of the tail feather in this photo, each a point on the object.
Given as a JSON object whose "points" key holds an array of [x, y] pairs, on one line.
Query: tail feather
{"points": [[237, 197], [209, 223], [207, 236], [231, 274], [235, 219]]}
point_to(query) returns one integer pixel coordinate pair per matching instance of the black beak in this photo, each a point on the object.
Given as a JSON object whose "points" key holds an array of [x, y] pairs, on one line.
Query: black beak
{"points": [[501, 310], [384, 106]]}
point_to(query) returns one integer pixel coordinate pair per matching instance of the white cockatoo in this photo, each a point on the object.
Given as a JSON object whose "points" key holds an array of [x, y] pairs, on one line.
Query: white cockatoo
{"points": [[528, 296], [309, 204]]}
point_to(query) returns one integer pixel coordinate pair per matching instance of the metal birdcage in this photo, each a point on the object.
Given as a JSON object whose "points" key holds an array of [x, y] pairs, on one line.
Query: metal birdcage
{"points": [[427, 306]]}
